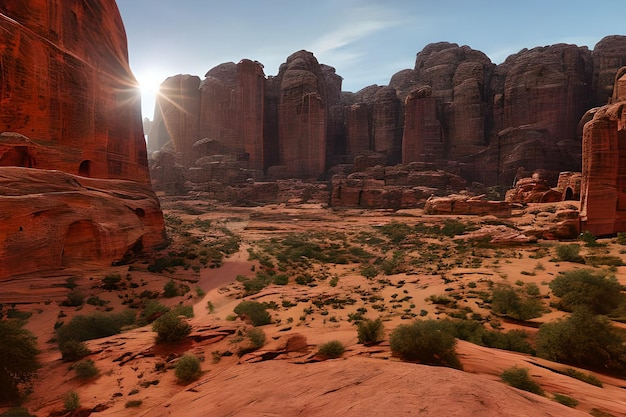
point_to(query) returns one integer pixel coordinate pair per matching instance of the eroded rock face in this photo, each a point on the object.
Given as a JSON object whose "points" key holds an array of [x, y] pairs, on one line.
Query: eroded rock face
{"points": [[58, 89], [603, 200], [75, 185], [455, 105]]}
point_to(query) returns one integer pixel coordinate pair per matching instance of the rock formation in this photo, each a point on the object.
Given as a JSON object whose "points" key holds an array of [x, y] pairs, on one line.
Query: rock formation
{"points": [[454, 105], [603, 185], [72, 108]]}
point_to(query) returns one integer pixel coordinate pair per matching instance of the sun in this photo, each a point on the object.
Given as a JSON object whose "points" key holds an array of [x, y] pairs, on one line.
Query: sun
{"points": [[149, 83]]}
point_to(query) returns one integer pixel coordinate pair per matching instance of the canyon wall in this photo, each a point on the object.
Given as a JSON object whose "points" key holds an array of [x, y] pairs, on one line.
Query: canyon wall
{"points": [[455, 106], [75, 183], [603, 185]]}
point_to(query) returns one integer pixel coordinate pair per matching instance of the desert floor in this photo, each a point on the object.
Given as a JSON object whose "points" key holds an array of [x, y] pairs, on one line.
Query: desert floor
{"points": [[345, 269]]}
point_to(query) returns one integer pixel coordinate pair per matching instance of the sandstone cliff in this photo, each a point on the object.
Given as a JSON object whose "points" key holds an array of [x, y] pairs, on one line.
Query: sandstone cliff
{"points": [[454, 105], [603, 185], [71, 108]]}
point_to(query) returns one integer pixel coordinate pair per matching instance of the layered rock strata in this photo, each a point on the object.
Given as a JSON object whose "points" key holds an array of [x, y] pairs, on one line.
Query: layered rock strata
{"points": [[603, 184], [73, 161], [454, 105]]}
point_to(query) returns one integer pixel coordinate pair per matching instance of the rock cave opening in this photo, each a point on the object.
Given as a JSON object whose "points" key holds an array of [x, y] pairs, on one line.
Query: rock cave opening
{"points": [[84, 170], [18, 156], [82, 243]]}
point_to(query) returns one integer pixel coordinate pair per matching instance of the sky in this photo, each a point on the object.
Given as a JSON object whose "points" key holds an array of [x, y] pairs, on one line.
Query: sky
{"points": [[366, 41]]}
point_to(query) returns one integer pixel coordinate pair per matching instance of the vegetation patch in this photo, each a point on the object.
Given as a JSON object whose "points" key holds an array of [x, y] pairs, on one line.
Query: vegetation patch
{"points": [[519, 378]]}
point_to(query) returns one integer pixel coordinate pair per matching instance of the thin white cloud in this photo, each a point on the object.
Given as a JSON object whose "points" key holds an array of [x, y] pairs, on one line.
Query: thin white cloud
{"points": [[359, 23]]}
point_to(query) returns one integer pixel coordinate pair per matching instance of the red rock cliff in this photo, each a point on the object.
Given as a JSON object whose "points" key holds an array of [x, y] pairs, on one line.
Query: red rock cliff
{"points": [[74, 179], [603, 185], [486, 120], [66, 83]]}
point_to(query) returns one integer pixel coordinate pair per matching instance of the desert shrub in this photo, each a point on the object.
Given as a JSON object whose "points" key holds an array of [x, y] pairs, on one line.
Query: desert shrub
{"points": [[370, 271], [187, 368], [621, 238], [111, 282], [73, 350], [71, 401], [94, 326], [133, 404], [371, 331], [519, 378], [253, 310], [510, 302], [162, 264], [16, 412], [152, 311], [584, 287], [426, 341], [254, 285], [395, 231], [331, 350], [96, 301], [170, 289], [256, 337], [18, 359], [170, 327], [583, 339], [75, 298], [281, 279], [255, 340], [85, 369], [589, 239], [513, 340], [565, 400], [569, 253], [581, 376]]}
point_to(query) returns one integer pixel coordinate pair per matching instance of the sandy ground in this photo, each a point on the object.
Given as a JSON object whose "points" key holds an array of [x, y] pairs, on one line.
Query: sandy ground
{"points": [[366, 381]]}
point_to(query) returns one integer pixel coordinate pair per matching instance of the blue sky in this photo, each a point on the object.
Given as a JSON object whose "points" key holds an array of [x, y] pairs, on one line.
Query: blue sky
{"points": [[366, 41]]}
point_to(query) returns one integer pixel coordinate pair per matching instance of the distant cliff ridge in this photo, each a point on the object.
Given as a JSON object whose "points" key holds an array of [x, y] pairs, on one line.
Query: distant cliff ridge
{"points": [[455, 108]]}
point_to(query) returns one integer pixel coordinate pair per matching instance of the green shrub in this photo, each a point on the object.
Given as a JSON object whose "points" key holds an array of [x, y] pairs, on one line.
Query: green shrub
{"points": [[589, 239], [519, 378], [171, 328], [111, 282], [71, 401], [569, 253], [73, 350], [75, 298], [585, 287], [94, 326], [565, 400], [583, 339], [371, 331], [85, 369], [254, 311], [255, 339], [426, 341], [281, 280], [187, 368], [331, 350], [170, 289], [152, 311], [581, 376], [96, 301], [18, 359], [513, 303]]}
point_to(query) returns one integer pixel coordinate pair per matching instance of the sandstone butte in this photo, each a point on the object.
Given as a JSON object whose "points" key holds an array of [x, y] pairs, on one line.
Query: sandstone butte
{"points": [[455, 110], [74, 178]]}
